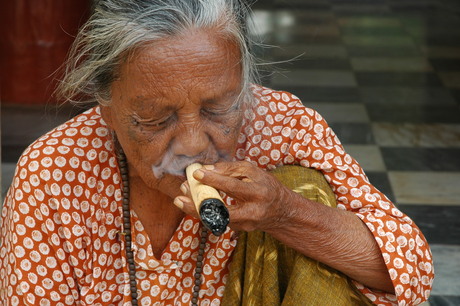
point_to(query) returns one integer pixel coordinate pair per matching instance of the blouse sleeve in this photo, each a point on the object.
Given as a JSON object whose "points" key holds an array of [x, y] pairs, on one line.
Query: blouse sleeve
{"points": [[294, 134], [404, 248], [42, 243]]}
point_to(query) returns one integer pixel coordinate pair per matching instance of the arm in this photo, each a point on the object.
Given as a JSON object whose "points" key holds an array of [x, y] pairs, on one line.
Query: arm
{"points": [[306, 139], [337, 238], [35, 250], [334, 237]]}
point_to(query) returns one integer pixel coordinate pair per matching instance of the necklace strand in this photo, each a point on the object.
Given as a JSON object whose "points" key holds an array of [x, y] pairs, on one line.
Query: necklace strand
{"points": [[128, 240]]}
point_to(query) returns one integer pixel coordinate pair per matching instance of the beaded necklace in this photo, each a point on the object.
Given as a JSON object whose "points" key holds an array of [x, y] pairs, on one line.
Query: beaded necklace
{"points": [[128, 240]]}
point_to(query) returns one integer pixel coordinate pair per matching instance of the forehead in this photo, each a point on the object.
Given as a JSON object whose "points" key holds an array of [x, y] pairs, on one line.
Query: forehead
{"points": [[185, 61]]}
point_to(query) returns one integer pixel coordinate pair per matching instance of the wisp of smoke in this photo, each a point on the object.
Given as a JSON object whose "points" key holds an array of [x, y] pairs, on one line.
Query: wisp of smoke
{"points": [[175, 164]]}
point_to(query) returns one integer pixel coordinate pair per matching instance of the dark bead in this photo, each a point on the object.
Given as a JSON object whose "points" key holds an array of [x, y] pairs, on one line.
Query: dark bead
{"points": [[131, 261], [199, 264], [199, 258], [125, 203], [134, 301], [204, 234], [128, 245], [133, 283], [196, 288], [124, 177], [127, 225], [202, 246], [132, 276], [198, 269], [195, 294], [195, 300], [203, 240], [134, 295], [198, 282], [129, 255], [132, 267], [128, 237], [126, 214], [197, 275], [125, 183]]}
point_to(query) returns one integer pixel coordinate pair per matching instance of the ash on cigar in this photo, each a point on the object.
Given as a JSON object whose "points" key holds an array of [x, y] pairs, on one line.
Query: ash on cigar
{"points": [[214, 216]]}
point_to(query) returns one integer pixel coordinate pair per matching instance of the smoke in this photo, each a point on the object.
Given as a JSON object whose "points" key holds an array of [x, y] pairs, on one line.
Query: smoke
{"points": [[171, 164], [175, 164]]}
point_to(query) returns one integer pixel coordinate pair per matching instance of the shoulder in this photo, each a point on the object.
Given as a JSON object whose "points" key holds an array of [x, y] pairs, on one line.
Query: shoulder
{"points": [[265, 95], [81, 145], [278, 107], [76, 137]]}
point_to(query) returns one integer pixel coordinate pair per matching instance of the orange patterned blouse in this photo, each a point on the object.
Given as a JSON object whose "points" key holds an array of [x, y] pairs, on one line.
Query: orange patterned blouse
{"points": [[60, 241]]}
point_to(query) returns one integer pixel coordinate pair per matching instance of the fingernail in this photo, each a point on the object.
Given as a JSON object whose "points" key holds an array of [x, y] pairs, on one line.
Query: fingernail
{"points": [[178, 202], [183, 188], [198, 174], [209, 167]]}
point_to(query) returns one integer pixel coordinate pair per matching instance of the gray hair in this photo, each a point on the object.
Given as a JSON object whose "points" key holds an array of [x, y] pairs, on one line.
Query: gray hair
{"points": [[118, 27]]}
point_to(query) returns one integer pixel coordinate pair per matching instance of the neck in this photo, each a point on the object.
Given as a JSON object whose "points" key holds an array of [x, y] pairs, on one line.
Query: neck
{"points": [[157, 213]]}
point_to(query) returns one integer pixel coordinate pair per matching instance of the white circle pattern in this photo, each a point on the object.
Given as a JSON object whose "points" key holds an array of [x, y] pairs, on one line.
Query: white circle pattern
{"points": [[66, 201]]}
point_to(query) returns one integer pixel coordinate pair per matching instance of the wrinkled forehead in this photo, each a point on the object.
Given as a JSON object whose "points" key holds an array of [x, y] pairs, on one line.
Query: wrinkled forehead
{"points": [[191, 50], [196, 60]]}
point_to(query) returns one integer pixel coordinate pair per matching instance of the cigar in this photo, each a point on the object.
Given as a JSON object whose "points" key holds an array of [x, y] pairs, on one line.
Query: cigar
{"points": [[209, 205]]}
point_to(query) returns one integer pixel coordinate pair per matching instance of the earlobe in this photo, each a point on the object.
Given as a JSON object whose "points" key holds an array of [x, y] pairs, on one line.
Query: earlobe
{"points": [[106, 114]]}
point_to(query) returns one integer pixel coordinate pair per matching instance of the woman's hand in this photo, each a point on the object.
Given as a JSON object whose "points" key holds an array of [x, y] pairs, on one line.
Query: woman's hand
{"points": [[261, 200]]}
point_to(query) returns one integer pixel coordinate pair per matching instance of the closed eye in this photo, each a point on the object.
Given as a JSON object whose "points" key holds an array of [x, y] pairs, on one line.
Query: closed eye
{"points": [[216, 111], [159, 123], [212, 112]]}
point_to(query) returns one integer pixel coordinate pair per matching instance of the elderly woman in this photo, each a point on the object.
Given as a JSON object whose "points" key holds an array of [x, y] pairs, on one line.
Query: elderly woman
{"points": [[100, 211]]}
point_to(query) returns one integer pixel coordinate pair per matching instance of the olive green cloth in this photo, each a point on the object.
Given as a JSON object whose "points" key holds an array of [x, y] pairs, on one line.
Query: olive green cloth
{"points": [[265, 272]]}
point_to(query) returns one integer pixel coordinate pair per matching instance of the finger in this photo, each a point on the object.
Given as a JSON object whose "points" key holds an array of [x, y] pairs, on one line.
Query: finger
{"points": [[185, 188], [242, 170], [244, 218], [234, 187], [239, 169], [186, 205]]}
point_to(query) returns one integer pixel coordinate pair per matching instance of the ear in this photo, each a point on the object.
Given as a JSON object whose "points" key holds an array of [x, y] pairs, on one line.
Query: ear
{"points": [[106, 114]]}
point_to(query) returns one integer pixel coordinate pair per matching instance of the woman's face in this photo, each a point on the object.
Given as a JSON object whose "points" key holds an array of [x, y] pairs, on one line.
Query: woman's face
{"points": [[174, 103]]}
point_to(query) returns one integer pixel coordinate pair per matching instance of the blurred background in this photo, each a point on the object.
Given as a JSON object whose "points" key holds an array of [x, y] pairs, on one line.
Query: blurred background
{"points": [[385, 74]]}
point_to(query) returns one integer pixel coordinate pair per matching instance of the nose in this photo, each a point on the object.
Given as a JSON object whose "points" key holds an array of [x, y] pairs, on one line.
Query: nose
{"points": [[191, 140]]}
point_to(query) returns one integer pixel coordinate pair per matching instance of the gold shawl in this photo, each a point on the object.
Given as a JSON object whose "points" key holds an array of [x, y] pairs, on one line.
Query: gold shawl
{"points": [[265, 272]]}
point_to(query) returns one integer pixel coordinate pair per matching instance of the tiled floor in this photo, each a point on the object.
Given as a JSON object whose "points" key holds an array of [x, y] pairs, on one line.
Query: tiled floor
{"points": [[386, 75]]}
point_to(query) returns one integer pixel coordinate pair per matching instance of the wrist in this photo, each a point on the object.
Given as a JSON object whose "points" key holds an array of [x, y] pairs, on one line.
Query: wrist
{"points": [[284, 212]]}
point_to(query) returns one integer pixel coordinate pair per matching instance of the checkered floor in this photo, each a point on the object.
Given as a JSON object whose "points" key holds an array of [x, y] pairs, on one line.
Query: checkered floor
{"points": [[386, 76]]}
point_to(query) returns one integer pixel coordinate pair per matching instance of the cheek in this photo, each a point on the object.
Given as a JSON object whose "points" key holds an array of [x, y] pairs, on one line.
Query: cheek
{"points": [[144, 148], [228, 134]]}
